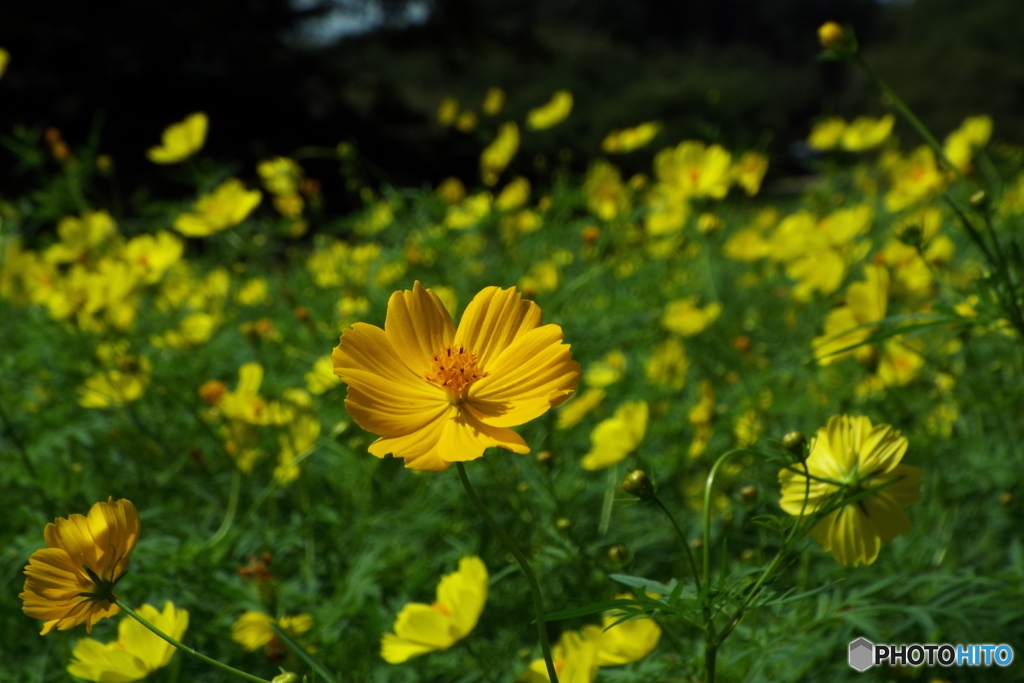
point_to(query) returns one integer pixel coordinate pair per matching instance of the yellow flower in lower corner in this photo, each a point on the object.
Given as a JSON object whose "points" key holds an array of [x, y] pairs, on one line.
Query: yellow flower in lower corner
{"points": [[85, 558], [252, 630], [422, 628], [858, 456], [136, 653], [615, 438], [438, 395]]}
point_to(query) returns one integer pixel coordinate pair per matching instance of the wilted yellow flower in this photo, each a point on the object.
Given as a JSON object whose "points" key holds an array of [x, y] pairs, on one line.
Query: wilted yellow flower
{"points": [[573, 412], [749, 171], [685, 317], [494, 100], [858, 457], [422, 628], [827, 133], [866, 132], [252, 630], [228, 205], [972, 135], [551, 114], [630, 139], [615, 438], [447, 111], [438, 395], [136, 653], [71, 580], [497, 155], [605, 193], [181, 140]]}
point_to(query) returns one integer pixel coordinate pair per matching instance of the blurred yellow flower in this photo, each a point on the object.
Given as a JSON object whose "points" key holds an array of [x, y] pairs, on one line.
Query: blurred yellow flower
{"points": [[573, 412], [497, 155], [228, 205], [451, 190], [667, 365], [606, 371], [629, 641], [301, 437], [5, 59], [136, 653], [115, 387], [615, 438], [466, 121], [447, 111], [252, 631], [630, 139], [605, 192], [79, 236], [851, 325], [866, 132], [151, 256], [858, 457], [70, 581], [914, 178], [494, 100], [244, 404], [899, 363], [549, 115], [280, 175], [827, 133], [513, 195], [543, 277], [749, 171], [322, 378], [685, 317], [694, 169], [422, 628], [181, 140], [193, 330], [253, 292], [469, 212], [437, 395], [961, 145]]}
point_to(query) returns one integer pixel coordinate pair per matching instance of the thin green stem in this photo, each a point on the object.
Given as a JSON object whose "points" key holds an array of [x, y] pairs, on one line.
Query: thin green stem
{"points": [[538, 602], [682, 537], [229, 514], [302, 654], [184, 648], [708, 486]]}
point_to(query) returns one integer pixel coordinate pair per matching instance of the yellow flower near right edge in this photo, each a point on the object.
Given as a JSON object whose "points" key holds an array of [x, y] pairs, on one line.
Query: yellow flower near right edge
{"points": [[228, 205], [615, 438], [181, 140], [859, 456], [66, 582], [422, 628], [136, 653]]}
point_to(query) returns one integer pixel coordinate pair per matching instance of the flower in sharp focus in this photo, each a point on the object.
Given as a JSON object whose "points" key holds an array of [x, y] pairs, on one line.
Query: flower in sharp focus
{"points": [[437, 395], [181, 140], [71, 581], [136, 653], [854, 456], [422, 628]]}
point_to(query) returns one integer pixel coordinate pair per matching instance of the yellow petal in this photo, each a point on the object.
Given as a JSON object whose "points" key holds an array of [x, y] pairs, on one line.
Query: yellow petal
{"points": [[153, 651], [418, 448], [493, 320], [418, 326], [419, 629], [105, 663], [464, 592], [466, 438]]}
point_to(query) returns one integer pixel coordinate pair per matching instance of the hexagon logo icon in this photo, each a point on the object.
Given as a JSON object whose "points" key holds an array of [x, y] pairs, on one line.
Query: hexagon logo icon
{"points": [[862, 654]]}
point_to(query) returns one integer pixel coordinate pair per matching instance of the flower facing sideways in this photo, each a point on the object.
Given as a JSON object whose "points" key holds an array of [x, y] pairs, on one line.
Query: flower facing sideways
{"points": [[181, 140], [253, 630], [438, 395], [851, 455], [71, 581], [137, 651], [422, 628]]}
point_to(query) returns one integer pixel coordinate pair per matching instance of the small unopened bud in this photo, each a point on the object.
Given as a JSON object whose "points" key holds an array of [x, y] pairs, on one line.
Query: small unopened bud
{"points": [[748, 494], [830, 34], [794, 443], [545, 460], [618, 554], [563, 523], [979, 200], [286, 677], [638, 484], [838, 41]]}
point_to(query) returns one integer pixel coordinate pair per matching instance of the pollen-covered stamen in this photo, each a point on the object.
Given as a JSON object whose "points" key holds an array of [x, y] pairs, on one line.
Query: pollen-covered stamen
{"points": [[454, 369]]}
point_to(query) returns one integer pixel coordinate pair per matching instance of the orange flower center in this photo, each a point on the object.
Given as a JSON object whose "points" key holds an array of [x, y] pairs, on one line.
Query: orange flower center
{"points": [[442, 608], [454, 369]]}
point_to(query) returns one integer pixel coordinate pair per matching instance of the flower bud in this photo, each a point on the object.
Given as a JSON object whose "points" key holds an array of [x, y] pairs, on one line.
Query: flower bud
{"points": [[563, 523], [979, 200], [618, 554], [748, 494], [545, 460], [794, 443], [638, 484], [838, 41]]}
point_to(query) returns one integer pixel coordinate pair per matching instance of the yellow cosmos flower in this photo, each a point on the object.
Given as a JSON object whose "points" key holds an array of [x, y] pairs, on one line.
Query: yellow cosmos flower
{"points": [[549, 115], [851, 325], [630, 139], [244, 404], [497, 155], [749, 171], [438, 395], [321, 378], [69, 582], [826, 133], [866, 132], [150, 256], [694, 169], [606, 371], [685, 317], [573, 412], [136, 653], [181, 140], [116, 387], [80, 236], [856, 456], [494, 100], [422, 628], [228, 205], [615, 438], [513, 195], [667, 365], [605, 192], [972, 135], [280, 176], [252, 631]]}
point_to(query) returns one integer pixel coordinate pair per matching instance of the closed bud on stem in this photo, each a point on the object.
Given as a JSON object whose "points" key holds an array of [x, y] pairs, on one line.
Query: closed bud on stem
{"points": [[838, 41], [980, 200], [618, 554], [748, 494], [544, 459], [286, 677], [794, 442], [638, 484]]}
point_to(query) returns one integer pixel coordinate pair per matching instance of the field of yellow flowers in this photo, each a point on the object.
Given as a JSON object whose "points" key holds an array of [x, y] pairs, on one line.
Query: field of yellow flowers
{"points": [[673, 426]]}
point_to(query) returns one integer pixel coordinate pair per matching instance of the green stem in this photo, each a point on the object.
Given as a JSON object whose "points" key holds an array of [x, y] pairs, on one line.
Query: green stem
{"points": [[708, 486], [538, 602], [229, 515], [682, 537], [710, 658], [184, 648]]}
